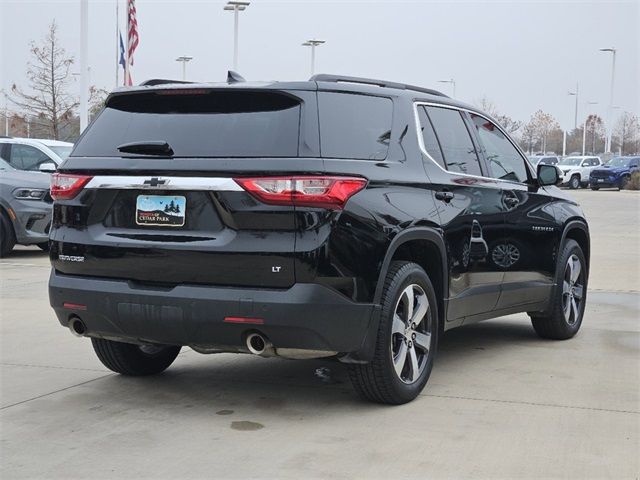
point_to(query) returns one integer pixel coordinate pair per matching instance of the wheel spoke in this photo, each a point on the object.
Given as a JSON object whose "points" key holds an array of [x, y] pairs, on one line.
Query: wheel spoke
{"points": [[574, 308], [566, 288], [408, 293], [421, 311], [423, 341], [566, 307], [398, 325], [575, 269], [400, 359], [415, 369]]}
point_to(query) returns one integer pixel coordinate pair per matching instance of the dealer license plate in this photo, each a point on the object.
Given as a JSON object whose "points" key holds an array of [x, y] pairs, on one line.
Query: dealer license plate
{"points": [[160, 210]]}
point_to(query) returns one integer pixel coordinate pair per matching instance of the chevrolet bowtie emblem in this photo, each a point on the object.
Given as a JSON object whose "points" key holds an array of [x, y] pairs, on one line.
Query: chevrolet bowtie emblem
{"points": [[154, 182]]}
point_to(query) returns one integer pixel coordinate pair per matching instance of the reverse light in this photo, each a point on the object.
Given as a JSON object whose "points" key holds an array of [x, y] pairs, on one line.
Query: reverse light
{"points": [[66, 186], [309, 191]]}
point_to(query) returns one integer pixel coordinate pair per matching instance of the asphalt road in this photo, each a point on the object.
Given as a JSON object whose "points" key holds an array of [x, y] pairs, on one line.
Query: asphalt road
{"points": [[501, 403]]}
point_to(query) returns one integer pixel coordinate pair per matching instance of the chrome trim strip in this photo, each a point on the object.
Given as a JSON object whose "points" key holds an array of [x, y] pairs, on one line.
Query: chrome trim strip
{"points": [[150, 182], [457, 174]]}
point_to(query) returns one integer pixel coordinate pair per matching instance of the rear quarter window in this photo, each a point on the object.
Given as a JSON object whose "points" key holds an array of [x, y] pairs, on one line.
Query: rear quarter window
{"points": [[354, 126]]}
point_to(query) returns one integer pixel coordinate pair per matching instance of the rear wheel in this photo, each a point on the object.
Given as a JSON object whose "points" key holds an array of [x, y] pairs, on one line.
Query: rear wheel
{"points": [[44, 246], [574, 182], [7, 235], [134, 360], [406, 341], [568, 302]]}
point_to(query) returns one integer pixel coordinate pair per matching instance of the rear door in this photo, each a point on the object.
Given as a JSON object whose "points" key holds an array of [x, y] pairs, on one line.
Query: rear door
{"points": [[470, 210], [169, 219]]}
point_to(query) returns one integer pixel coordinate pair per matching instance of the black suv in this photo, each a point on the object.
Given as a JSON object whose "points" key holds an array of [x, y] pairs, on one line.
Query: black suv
{"points": [[340, 217]]}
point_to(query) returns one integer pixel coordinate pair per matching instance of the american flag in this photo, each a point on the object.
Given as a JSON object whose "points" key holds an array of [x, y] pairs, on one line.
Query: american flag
{"points": [[132, 39]]}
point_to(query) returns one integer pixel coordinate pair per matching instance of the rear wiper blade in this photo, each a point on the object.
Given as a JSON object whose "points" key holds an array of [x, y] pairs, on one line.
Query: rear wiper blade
{"points": [[147, 148]]}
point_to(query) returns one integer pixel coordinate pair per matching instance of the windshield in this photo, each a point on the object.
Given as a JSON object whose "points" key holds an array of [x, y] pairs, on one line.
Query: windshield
{"points": [[61, 150], [571, 161], [619, 162]]}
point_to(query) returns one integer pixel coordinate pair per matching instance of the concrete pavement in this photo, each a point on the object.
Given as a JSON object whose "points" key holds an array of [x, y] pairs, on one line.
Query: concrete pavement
{"points": [[501, 403]]}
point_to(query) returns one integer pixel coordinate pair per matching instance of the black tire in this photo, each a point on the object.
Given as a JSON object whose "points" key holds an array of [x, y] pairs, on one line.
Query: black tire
{"points": [[574, 182], [554, 324], [7, 235], [594, 188], [377, 381], [623, 182], [129, 359], [44, 246]]}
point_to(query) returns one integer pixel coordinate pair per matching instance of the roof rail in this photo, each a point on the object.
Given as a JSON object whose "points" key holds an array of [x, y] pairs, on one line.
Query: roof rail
{"points": [[325, 77], [160, 81]]}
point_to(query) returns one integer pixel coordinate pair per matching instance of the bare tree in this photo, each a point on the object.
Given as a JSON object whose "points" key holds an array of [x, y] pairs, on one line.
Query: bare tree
{"points": [[595, 132], [626, 133], [542, 124], [48, 73], [511, 126]]}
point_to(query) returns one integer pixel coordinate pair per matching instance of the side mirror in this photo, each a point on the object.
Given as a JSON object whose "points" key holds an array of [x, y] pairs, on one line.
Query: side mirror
{"points": [[47, 167], [549, 175]]}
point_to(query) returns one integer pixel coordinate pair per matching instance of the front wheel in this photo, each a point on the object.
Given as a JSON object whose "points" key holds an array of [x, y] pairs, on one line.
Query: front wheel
{"points": [[7, 235], [574, 182], [406, 341], [134, 360], [594, 187], [569, 299]]}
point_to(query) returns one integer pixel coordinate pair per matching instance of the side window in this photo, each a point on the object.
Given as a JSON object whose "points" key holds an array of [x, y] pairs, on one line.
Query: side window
{"points": [[505, 162], [354, 126], [431, 144], [26, 157], [454, 138]]}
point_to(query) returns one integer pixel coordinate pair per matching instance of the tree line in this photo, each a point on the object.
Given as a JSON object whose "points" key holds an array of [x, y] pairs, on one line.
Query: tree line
{"points": [[47, 109]]}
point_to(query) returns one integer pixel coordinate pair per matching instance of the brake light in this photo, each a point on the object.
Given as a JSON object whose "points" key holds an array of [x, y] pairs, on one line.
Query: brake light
{"points": [[316, 191], [65, 186]]}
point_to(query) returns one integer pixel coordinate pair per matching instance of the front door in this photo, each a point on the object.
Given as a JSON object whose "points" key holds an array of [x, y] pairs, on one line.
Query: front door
{"points": [[527, 250]]}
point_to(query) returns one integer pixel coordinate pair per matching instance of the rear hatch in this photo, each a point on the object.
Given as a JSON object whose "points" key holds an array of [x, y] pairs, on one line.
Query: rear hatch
{"points": [[152, 192]]}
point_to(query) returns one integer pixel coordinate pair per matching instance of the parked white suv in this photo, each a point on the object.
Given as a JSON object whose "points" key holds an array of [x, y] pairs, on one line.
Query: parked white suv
{"points": [[576, 170], [34, 154]]}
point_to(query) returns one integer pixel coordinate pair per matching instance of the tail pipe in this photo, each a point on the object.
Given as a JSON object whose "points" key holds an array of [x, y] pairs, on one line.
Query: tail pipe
{"points": [[77, 327], [258, 344]]}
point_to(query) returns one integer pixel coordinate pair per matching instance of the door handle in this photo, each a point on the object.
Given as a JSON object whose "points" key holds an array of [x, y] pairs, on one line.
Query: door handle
{"points": [[444, 195]]}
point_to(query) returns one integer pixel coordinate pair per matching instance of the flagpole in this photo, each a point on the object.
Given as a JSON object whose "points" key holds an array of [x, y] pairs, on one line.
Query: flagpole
{"points": [[117, 45]]}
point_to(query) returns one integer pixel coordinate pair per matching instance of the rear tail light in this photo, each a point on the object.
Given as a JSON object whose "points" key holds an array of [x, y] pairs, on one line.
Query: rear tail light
{"points": [[323, 192], [65, 186]]}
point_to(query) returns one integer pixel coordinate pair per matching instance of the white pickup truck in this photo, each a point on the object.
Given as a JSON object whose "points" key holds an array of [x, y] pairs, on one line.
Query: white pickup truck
{"points": [[576, 170]]}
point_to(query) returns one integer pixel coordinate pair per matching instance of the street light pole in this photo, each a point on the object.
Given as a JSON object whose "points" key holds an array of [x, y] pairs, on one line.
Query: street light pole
{"points": [[235, 7], [575, 114], [453, 84], [184, 59], [610, 109], [313, 44]]}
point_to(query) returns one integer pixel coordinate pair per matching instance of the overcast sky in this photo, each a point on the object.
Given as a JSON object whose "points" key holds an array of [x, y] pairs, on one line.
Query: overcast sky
{"points": [[521, 55]]}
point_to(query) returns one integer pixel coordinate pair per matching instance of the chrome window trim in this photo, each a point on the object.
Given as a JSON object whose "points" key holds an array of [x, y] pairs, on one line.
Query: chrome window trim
{"points": [[462, 109], [218, 184]]}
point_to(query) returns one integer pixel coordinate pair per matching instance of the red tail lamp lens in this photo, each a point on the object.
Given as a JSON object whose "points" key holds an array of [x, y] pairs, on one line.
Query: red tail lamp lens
{"points": [[324, 192], [65, 186]]}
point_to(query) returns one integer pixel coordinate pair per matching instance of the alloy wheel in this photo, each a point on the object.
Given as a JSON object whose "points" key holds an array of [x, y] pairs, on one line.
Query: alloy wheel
{"points": [[505, 255], [411, 334], [572, 289]]}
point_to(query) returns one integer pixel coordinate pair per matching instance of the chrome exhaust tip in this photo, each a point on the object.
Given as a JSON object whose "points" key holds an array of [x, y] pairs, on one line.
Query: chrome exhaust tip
{"points": [[259, 345], [77, 327]]}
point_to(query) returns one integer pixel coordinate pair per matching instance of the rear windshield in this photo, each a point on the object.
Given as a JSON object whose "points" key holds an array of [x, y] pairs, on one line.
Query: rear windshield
{"points": [[198, 124]]}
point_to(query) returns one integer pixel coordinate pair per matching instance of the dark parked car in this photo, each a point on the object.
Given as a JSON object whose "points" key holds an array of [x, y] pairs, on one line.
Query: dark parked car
{"points": [[615, 174], [339, 217], [25, 208]]}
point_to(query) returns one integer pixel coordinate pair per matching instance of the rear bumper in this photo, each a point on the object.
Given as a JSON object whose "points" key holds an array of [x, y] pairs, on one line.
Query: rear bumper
{"points": [[305, 316]]}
